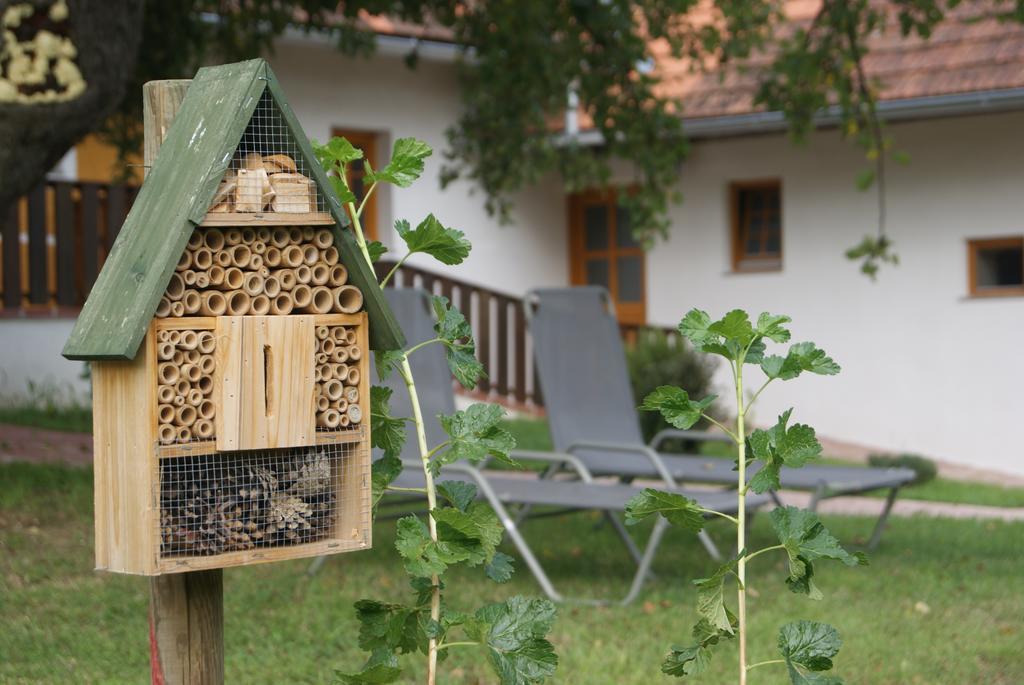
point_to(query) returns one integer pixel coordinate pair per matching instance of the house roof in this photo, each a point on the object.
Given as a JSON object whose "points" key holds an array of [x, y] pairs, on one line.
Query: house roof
{"points": [[968, 52], [174, 199]]}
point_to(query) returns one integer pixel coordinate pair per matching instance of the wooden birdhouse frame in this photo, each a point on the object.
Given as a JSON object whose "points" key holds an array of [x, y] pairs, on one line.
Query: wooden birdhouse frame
{"points": [[229, 333]]}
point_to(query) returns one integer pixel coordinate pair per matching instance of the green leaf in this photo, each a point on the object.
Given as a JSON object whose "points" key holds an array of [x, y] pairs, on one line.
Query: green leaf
{"points": [[340, 150], [424, 557], [395, 627], [676, 406], [446, 245], [474, 434], [382, 473], [341, 189], [801, 357], [734, 327], [386, 361], [476, 532], [376, 250], [695, 327], [807, 540], [458, 492], [780, 446], [380, 668], [730, 335], [710, 600], [678, 510], [772, 326], [514, 633], [694, 659], [406, 163], [812, 646], [453, 329], [500, 568], [865, 178], [386, 431]]}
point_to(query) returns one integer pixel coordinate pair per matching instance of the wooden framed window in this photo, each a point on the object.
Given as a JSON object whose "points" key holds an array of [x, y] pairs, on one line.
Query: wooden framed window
{"points": [[367, 142], [995, 266], [756, 209], [602, 252]]}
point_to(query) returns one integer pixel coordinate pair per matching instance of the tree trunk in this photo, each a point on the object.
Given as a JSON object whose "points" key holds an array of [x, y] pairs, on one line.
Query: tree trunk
{"points": [[35, 135]]}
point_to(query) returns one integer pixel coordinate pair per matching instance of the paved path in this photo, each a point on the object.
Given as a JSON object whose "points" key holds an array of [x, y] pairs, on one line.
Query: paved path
{"points": [[19, 443]]}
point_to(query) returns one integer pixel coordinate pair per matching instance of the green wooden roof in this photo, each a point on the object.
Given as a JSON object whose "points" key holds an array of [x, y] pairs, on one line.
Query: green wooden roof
{"points": [[174, 199]]}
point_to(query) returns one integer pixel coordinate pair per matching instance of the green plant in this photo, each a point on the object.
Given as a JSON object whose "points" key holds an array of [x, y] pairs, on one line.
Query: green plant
{"points": [[655, 359], [458, 529], [922, 466], [806, 647]]}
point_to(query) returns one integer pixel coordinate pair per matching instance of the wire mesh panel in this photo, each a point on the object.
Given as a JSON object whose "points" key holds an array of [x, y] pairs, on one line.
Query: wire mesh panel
{"points": [[268, 172], [246, 501]]}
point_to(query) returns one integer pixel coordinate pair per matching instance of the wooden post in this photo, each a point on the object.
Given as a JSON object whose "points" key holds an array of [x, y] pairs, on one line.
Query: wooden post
{"points": [[186, 615]]}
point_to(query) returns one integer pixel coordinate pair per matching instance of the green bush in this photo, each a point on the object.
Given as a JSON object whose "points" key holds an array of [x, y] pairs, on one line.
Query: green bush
{"points": [[924, 467], [655, 359]]}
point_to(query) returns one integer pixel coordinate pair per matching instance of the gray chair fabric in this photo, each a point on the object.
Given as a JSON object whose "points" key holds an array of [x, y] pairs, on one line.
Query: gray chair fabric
{"points": [[589, 398], [434, 387]]}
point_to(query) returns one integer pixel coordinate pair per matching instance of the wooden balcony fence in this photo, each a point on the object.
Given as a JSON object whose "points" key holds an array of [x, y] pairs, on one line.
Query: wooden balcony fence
{"points": [[55, 240]]}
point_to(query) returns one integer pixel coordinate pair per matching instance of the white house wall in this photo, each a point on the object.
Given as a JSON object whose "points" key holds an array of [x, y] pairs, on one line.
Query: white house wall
{"points": [[380, 94], [926, 368]]}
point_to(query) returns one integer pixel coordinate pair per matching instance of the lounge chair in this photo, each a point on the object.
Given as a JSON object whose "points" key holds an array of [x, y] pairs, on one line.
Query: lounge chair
{"points": [[504, 489], [592, 412]]}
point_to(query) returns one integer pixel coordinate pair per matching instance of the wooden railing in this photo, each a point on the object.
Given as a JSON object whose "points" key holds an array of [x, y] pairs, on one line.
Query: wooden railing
{"points": [[54, 242]]}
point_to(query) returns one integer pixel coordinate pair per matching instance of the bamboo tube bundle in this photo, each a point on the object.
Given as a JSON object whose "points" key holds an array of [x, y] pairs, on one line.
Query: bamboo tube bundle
{"points": [[202, 259], [206, 364], [216, 273], [321, 274], [191, 372], [291, 256], [321, 358], [238, 303], [189, 277], [185, 415], [354, 353], [213, 303], [184, 434], [340, 355], [232, 237], [203, 429], [255, 262], [222, 258], [322, 403], [167, 434], [344, 422], [233, 279], [193, 356], [354, 413], [164, 351], [179, 399], [206, 409], [352, 394], [163, 336], [333, 389], [165, 413], [181, 387], [302, 295], [347, 299], [178, 357], [177, 309], [286, 277], [205, 385], [308, 234], [337, 276], [272, 257], [202, 279], [353, 376], [191, 301], [350, 336], [321, 301], [260, 305], [213, 238], [263, 234], [339, 371], [195, 397], [323, 239], [327, 346], [310, 255], [189, 340], [248, 236], [240, 256], [282, 305], [322, 332], [252, 284], [175, 288], [195, 241], [167, 373], [295, 235], [326, 372], [165, 394], [331, 256], [338, 333], [259, 247], [271, 286], [184, 261], [279, 238], [303, 274], [317, 374], [173, 337], [329, 419], [207, 343]]}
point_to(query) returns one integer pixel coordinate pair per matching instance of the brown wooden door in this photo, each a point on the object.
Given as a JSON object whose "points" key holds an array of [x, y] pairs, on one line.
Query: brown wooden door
{"points": [[602, 252], [367, 142]]}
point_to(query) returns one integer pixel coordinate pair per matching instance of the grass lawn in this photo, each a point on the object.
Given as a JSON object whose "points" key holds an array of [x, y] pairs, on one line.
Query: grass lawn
{"points": [[941, 603], [72, 419], [533, 434]]}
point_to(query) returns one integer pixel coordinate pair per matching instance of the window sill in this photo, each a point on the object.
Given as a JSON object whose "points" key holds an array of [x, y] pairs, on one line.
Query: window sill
{"points": [[757, 268], [995, 293]]}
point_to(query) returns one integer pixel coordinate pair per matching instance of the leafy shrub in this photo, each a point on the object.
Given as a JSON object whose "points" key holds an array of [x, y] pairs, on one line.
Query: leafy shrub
{"points": [[655, 360], [924, 467]]}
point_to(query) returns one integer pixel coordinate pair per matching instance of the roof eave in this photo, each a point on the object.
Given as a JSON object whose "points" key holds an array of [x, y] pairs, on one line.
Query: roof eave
{"points": [[931, 107]]}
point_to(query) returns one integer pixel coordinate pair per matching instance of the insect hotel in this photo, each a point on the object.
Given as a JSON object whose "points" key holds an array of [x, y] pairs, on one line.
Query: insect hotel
{"points": [[230, 333]]}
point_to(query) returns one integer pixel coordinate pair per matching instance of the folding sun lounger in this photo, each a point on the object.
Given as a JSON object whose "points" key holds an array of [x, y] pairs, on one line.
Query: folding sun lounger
{"points": [[592, 413], [504, 489]]}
